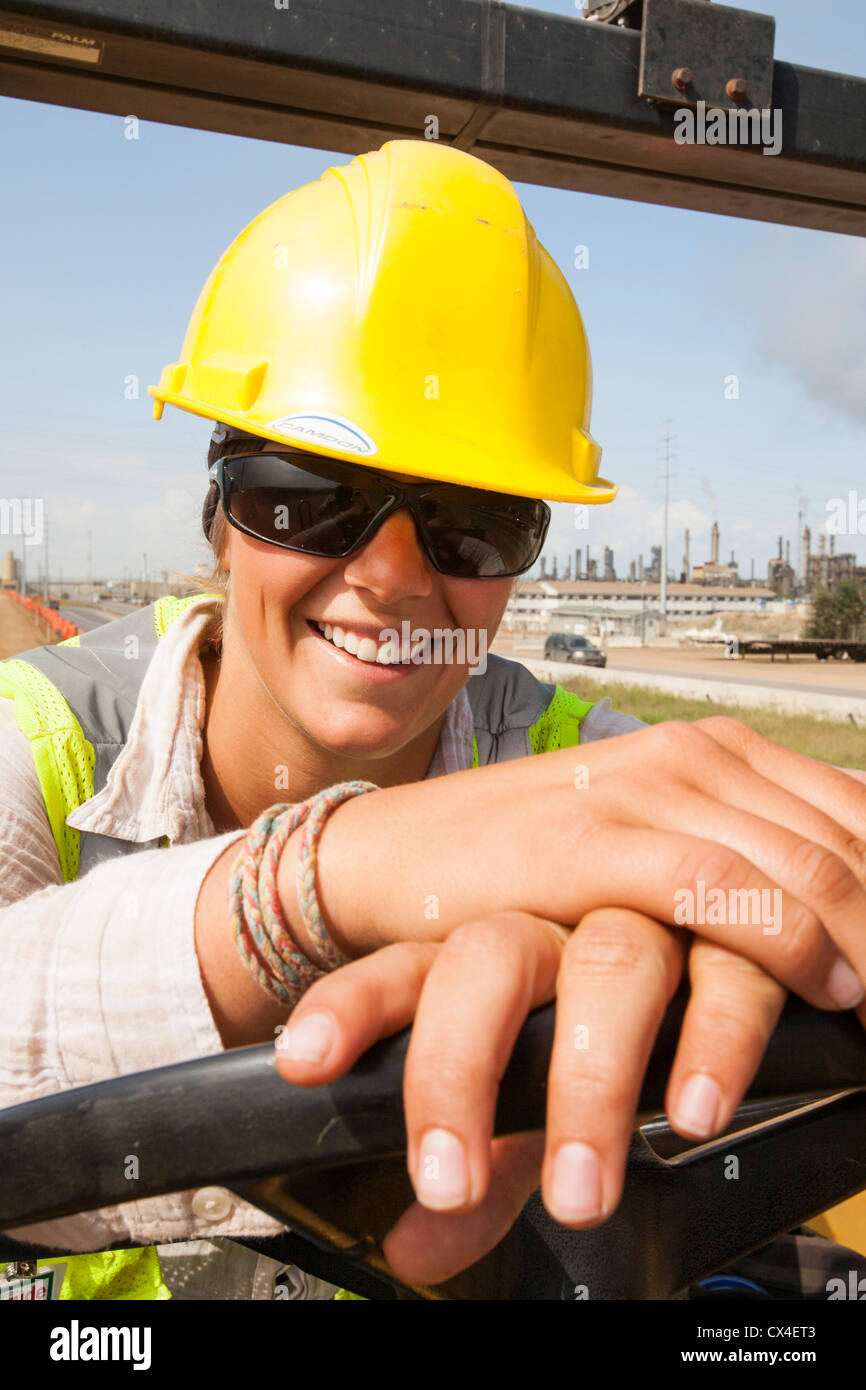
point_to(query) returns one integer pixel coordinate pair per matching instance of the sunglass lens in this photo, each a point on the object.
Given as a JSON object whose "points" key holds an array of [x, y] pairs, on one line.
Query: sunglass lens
{"points": [[469, 538], [288, 506]]}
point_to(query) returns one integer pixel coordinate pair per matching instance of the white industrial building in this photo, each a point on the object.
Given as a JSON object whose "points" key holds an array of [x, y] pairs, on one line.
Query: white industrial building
{"points": [[624, 608]]}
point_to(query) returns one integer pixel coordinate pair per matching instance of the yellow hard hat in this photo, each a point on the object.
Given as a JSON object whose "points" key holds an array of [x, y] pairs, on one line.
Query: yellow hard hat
{"points": [[400, 311]]}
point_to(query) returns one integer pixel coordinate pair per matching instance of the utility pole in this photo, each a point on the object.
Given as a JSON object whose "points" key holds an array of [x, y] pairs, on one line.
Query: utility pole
{"points": [[802, 517], [48, 542], [663, 604]]}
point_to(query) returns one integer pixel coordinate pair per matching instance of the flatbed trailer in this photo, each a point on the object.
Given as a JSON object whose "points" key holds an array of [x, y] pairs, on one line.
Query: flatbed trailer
{"points": [[821, 647]]}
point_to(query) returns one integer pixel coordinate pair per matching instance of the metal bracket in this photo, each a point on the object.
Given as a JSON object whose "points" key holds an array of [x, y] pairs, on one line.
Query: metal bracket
{"points": [[693, 50], [626, 14]]}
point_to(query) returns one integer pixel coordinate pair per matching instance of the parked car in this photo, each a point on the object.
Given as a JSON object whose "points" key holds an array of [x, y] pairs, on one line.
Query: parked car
{"points": [[564, 646], [52, 603]]}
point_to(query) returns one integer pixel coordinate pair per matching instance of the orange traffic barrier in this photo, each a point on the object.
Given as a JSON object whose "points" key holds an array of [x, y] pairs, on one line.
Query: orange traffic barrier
{"points": [[60, 625]]}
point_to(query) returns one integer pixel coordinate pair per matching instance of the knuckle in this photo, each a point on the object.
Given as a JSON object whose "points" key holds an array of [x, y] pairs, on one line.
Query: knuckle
{"points": [[729, 1030], [596, 1086], [853, 850], [732, 731], [716, 969], [578, 835], [435, 1077], [798, 942], [603, 945], [502, 935], [678, 736], [824, 874], [716, 865]]}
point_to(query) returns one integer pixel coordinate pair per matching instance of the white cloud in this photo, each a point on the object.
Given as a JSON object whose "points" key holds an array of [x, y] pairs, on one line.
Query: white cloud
{"points": [[814, 309]]}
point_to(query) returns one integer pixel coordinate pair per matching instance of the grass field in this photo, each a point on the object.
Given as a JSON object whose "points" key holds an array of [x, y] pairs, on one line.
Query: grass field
{"points": [[831, 741]]}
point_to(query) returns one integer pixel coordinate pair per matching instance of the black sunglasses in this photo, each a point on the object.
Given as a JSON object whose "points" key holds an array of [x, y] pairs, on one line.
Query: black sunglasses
{"points": [[468, 533]]}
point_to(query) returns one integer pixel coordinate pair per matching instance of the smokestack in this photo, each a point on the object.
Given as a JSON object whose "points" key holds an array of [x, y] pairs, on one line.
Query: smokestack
{"points": [[577, 569], [686, 560], [787, 552], [714, 544]]}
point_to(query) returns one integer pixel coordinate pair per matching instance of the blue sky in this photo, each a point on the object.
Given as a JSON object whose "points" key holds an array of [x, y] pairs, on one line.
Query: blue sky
{"points": [[107, 242]]}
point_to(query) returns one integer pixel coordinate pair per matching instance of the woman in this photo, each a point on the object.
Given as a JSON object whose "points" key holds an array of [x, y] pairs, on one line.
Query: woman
{"points": [[398, 374]]}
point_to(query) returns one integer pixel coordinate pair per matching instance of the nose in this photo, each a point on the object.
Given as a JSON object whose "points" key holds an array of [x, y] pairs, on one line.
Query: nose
{"points": [[393, 564]]}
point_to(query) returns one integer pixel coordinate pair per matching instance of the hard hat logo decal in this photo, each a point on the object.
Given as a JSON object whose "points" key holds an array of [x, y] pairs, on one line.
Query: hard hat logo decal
{"points": [[329, 431]]}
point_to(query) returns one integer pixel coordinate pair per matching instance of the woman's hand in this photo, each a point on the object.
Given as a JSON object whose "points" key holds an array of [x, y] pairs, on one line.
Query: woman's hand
{"points": [[658, 821], [613, 978], [642, 820]]}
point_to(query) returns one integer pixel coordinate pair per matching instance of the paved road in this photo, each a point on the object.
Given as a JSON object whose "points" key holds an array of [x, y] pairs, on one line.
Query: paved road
{"points": [[85, 618], [804, 674]]}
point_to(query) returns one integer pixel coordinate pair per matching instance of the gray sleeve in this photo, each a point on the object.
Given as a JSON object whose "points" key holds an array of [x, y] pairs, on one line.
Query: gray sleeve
{"points": [[604, 722]]}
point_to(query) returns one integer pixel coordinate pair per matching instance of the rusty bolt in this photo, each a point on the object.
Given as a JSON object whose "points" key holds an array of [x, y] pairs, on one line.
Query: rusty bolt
{"points": [[681, 78], [736, 88]]}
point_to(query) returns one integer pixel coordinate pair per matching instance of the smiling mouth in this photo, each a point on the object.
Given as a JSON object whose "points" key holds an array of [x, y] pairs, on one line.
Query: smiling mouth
{"points": [[364, 649]]}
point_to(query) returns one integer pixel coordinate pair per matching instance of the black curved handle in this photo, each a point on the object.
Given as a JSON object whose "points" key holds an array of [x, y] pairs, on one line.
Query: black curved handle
{"points": [[230, 1119]]}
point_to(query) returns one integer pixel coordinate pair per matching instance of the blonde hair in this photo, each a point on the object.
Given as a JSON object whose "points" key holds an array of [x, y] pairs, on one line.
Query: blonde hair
{"points": [[218, 579]]}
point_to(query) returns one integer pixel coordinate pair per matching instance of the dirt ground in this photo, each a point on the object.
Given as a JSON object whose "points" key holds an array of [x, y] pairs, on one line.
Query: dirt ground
{"points": [[835, 676], [20, 629]]}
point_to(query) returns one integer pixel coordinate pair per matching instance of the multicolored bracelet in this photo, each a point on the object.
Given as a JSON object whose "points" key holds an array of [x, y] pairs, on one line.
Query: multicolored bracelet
{"points": [[255, 903]]}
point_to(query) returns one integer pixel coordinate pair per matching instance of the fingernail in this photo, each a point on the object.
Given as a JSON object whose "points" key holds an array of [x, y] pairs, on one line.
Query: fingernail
{"points": [[576, 1189], [698, 1105], [843, 985], [308, 1040], [442, 1174]]}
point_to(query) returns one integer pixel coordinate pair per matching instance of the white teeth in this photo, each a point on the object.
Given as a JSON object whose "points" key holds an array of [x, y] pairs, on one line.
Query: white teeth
{"points": [[364, 648], [367, 650]]}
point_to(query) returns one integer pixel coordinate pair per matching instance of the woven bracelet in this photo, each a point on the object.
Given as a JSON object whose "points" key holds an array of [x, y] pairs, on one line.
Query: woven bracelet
{"points": [[255, 903], [321, 807]]}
